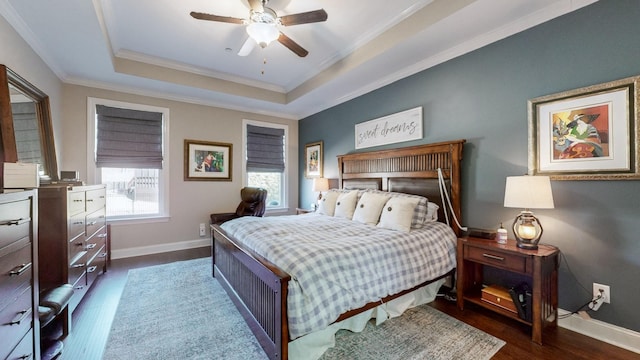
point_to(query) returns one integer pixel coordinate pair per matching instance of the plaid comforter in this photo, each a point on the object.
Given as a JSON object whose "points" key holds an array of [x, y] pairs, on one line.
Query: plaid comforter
{"points": [[337, 264]]}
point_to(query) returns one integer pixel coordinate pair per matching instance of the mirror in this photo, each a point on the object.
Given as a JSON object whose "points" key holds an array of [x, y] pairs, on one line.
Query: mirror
{"points": [[25, 125]]}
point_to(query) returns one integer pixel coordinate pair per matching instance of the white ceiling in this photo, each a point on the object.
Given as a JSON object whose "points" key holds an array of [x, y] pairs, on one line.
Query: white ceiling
{"points": [[155, 48]]}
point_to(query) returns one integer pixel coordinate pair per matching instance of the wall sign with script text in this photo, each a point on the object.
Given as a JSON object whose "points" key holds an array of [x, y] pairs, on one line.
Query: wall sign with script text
{"points": [[391, 129]]}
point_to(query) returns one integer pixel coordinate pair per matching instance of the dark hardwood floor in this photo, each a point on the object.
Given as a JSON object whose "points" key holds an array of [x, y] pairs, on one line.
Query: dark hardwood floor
{"points": [[92, 321]]}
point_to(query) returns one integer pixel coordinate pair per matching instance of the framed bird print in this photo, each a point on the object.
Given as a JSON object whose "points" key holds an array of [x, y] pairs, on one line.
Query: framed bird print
{"points": [[586, 134]]}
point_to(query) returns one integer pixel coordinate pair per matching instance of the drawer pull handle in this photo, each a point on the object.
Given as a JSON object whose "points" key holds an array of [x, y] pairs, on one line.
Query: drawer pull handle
{"points": [[102, 235], [90, 246], [26, 357], [493, 257], [103, 255], [75, 266], [19, 270], [79, 287], [92, 269], [92, 223], [78, 200], [22, 315], [15, 222], [78, 222]]}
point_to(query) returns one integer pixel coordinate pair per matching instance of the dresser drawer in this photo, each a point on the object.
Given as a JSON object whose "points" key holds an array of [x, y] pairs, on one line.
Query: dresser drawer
{"points": [[76, 248], [95, 221], [24, 350], [96, 267], [16, 272], [502, 260], [79, 289], [76, 226], [96, 243], [76, 202], [95, 199], [15, 221], [77, 268], [15, 321]]}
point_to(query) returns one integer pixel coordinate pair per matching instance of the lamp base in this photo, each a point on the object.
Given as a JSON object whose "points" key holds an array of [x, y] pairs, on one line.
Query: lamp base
{"points": [[526, 245]]}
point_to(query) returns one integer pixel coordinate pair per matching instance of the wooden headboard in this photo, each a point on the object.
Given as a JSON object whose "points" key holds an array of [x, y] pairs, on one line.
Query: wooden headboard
{"points": [[412, 170]]}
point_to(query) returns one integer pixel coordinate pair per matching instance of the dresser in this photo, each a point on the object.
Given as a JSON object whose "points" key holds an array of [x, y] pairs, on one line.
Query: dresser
{"points": [[19, 325], [72, 241]]}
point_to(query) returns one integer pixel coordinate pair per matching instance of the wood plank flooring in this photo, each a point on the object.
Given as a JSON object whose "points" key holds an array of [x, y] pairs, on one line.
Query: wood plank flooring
{"points": [[92, 321]]}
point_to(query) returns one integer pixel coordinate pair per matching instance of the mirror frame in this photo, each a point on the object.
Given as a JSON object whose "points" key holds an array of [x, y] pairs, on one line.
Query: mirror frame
{"points": [[43, 112]]}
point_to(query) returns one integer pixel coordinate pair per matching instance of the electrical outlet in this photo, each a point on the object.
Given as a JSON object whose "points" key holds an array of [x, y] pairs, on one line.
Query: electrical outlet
{"points": [[203, 230], [600, 290]]}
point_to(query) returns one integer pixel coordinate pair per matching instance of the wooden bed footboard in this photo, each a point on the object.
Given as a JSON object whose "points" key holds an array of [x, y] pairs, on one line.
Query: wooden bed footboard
{"points": [[258, 289]]}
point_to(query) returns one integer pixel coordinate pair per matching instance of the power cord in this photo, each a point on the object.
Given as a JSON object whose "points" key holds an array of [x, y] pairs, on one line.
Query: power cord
{"points": [[590, 304]]}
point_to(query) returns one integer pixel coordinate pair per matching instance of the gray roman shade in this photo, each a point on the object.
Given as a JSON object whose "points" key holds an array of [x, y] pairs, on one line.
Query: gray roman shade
{"points": [[128, 138], [27, 132], [265, 149]]}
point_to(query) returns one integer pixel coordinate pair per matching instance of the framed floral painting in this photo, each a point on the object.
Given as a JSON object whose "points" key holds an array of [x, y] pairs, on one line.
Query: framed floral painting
{"points": [[313, 160]]}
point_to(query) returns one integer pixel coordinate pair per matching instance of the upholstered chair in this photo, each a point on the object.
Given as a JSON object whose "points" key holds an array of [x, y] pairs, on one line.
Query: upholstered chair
{"points": [[253, 204]]}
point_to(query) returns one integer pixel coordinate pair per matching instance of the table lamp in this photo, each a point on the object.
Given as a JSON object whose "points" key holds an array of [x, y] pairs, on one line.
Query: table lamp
{"points": [[320, 185], [528, 192]]}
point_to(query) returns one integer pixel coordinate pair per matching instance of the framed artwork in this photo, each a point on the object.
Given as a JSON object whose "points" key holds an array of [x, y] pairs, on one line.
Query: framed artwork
{"points": [[586, 134], [313, 160], [204, 160]]}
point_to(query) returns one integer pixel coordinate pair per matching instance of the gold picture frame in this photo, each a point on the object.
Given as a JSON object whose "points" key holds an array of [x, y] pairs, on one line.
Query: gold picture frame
{"points": [[589, 133], [313, 160]]}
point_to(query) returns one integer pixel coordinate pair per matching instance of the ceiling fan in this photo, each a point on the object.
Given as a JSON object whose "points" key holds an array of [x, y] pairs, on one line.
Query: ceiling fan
{"points": [[262, 26]]}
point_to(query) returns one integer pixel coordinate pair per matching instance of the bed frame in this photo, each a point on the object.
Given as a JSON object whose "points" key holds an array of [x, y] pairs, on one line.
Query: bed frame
{"points": [[258, 288]]}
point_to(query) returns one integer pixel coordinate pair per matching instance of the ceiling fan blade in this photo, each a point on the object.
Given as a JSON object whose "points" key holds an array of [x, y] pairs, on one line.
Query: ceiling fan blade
{"points": [[256, 5], [210, 17], [292, 45], [304, 18], [247, 47]]}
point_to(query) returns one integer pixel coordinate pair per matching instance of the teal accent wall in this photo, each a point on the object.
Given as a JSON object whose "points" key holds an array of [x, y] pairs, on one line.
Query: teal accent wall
{"points": [[482, 97]]}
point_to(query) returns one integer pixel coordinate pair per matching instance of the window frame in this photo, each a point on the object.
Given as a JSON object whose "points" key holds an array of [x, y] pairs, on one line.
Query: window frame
{"points": [[284, 207], [94, 175]]}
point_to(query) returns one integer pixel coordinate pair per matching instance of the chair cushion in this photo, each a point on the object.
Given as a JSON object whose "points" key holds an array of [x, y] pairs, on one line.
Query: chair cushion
{"points": [[57, 298]]}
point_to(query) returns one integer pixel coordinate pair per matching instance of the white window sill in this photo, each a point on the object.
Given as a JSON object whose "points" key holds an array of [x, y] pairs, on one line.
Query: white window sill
{"points": [[138, 220]]}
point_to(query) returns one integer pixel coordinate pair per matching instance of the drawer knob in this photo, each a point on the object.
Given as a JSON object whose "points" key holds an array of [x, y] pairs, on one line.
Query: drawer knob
{"points": [[75, 266], [90, 246], [22, 315], [493, 257], [15, 222], [19, 270]]}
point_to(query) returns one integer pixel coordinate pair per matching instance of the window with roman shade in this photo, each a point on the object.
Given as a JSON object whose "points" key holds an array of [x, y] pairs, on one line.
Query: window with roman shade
{"points": [[128, 138], [265, 149]]}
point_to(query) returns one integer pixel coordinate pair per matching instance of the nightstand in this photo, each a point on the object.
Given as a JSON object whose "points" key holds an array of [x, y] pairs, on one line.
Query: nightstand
{"points": [[539, 268], [300, 211]]}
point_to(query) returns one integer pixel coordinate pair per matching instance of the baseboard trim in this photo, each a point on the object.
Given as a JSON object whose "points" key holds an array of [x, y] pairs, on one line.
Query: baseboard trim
{"points": [[157, 249], [600, 330]]}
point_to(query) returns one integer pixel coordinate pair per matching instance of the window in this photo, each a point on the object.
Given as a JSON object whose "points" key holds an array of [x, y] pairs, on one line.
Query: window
{"points": [[127, 152], [265, 160]]}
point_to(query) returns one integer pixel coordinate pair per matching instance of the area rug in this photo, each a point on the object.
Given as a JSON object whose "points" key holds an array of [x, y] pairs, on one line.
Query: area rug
{"points": [[178, 311]]}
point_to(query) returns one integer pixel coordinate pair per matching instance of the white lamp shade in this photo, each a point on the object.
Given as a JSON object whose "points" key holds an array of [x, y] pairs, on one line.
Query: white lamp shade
{"points": [[320, 184], [263, 33], [528, 192]]}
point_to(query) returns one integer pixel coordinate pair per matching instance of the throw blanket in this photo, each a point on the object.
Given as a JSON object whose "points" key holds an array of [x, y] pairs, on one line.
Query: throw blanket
{"points": [[337, 264]]}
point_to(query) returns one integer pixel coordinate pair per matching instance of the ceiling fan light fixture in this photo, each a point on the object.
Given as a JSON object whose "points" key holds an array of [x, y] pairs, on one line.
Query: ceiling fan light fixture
{"points": [[263, 33]]}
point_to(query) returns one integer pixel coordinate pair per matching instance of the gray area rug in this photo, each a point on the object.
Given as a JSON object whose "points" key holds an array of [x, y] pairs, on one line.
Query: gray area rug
{"points": [[178, 311]]}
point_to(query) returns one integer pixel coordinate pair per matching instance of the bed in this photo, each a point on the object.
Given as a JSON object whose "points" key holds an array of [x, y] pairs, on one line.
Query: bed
{"points": [[260, 289]]}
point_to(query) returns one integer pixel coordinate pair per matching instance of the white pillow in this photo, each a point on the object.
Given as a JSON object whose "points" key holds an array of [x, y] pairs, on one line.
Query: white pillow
{"points": [[419, 213], [432, 212], [397, 213], [369, 208], [346, 204], [328, 203]]}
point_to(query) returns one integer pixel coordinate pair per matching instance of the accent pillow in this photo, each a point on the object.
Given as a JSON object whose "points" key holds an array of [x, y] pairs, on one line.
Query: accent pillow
{"points": [[420, 211], [346, 204], [397, 213], [328, 203], [369, 208], [432, 212]]}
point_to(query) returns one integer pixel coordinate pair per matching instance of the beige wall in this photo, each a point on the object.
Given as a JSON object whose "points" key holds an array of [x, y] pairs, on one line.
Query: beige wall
{"points": [[191, 202]]}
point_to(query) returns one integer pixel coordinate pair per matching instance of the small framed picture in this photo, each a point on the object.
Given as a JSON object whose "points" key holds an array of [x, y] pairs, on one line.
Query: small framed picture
{"points": [[207, 161], [313, 160]]}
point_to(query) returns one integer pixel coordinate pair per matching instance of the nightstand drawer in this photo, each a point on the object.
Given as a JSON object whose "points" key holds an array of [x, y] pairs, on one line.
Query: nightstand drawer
{"points": [[507, 261]]}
